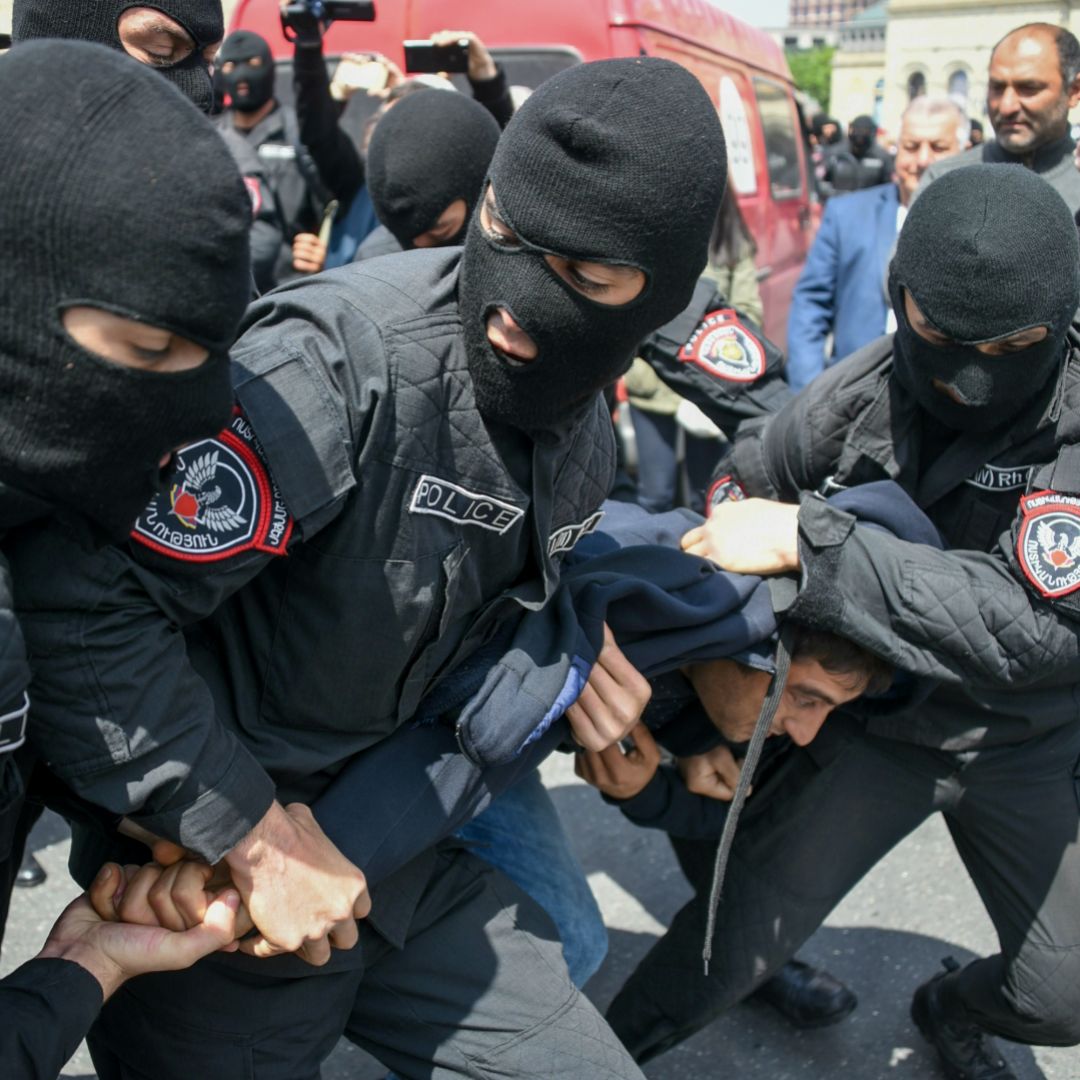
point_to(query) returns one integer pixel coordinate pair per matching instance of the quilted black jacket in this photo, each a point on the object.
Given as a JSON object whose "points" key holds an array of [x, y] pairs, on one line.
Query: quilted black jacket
{"points": [[329, 556], [997, 618]]}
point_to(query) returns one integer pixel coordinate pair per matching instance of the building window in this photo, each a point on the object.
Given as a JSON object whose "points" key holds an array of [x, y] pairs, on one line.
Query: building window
{"points": [[958, 89], [916, 85]]}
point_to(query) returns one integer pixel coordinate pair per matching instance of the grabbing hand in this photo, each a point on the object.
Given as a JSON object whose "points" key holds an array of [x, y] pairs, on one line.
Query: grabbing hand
{"points": [[714, 774], [308, 253], [612, 701], [116, 951], [481, 63], [303, 895], [749, 536], [619, 775]]}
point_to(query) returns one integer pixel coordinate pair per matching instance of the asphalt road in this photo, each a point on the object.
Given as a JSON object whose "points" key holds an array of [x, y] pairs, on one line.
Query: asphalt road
{"points": [[887, 937]]}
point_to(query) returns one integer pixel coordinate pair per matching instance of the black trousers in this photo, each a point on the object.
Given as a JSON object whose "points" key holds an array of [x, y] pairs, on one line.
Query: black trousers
{"points": [[820, 822], [479, 990]]}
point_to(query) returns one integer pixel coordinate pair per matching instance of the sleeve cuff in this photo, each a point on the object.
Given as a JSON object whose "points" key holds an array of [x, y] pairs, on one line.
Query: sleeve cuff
{"points": [[651, 802], [823, 529], [215, 822]]}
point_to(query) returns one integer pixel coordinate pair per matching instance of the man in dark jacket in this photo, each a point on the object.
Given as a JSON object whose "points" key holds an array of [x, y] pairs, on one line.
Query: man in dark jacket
{"points": [[972, 407], [111, 356], [424, 436], [858, 162]]}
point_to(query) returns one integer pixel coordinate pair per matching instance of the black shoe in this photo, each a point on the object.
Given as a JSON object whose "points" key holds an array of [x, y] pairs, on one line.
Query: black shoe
{"points": [[31, 872], [807, 997], [966, 1051]]}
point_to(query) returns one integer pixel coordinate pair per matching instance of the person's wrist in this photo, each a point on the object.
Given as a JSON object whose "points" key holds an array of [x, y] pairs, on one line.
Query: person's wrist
{"points": [[273, 832], [109, 975]]}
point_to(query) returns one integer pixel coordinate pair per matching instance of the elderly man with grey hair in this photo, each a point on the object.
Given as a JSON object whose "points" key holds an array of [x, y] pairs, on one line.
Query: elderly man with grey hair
{"points": [[1032, 83], [841, 290]]}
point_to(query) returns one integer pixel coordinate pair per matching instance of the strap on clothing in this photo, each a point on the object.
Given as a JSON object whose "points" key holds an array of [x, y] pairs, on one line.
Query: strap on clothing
{"points": [[765, 718]]}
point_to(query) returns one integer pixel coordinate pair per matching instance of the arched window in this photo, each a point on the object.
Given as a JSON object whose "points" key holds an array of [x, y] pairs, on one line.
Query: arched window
{"points": [[958, 88], [916, 85]]}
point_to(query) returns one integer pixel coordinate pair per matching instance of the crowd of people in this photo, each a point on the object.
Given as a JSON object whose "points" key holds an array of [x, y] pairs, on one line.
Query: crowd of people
{"points": [[317, 539]]}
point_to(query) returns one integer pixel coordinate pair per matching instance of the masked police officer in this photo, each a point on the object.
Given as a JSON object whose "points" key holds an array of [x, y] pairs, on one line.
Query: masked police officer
{"points": [[971, 406], [424, 437], [111, 356]]}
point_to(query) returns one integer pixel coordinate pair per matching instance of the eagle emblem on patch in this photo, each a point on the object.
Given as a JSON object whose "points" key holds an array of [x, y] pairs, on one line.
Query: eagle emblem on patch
{"points": [[220, 500], [723, 347], [1048, 542]]}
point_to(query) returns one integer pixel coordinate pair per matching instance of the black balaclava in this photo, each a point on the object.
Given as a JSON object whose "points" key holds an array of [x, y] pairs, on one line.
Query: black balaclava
{"points": [[240, 47], [116, 194], [618, 161], [862, 134], [97, 20], [431, 149], [986, 251]]}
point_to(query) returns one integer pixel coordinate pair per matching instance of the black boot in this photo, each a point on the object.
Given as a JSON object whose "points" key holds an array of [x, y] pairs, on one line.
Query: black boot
{"points": [[31, 872], [807, 997], [966, 1051]]}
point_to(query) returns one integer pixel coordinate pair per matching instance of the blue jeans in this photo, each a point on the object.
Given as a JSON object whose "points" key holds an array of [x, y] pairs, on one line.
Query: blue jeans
{"points": [[521, 835]]}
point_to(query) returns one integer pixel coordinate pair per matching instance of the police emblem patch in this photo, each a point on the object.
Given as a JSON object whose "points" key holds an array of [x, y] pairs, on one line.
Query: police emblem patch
{"points": [[1048, 542], [220, 500], [723, 347], [724, 489]]}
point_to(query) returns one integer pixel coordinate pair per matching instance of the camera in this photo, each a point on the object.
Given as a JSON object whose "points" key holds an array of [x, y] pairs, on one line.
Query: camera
{"points": [[304, 17], [423, 57]]}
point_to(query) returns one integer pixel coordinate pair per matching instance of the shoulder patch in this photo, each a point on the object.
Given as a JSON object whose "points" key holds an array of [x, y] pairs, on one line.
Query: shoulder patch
{"points": [[723, 489], [221, 500], [1048, 542], [722, 346]]}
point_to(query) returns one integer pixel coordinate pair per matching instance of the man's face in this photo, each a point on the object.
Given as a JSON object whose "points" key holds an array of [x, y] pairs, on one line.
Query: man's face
{"points": [[923, 140], [1027, 102], [732, 694]]}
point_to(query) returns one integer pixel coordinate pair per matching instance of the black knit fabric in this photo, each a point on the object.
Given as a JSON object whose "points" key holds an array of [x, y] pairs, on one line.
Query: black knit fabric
{"points": [[618, 161], [239, 49], [96, 20], [985, 252], [428, 151], [117, 194]]}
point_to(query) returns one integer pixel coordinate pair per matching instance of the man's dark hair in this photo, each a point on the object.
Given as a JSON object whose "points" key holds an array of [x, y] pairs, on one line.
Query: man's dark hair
{"points": [[841, 656], [1068, 49]]}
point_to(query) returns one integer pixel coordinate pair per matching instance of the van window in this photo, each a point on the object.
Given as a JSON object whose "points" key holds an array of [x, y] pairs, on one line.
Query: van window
{"points": [[781, 139]]}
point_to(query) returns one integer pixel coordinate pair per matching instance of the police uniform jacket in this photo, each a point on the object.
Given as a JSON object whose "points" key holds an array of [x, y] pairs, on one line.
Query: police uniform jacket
{"points": [[354, 534], [291, 179], [995, 618]]}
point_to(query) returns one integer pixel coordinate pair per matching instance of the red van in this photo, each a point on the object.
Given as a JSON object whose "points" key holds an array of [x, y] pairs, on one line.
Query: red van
{"points": [[742, 68]]}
